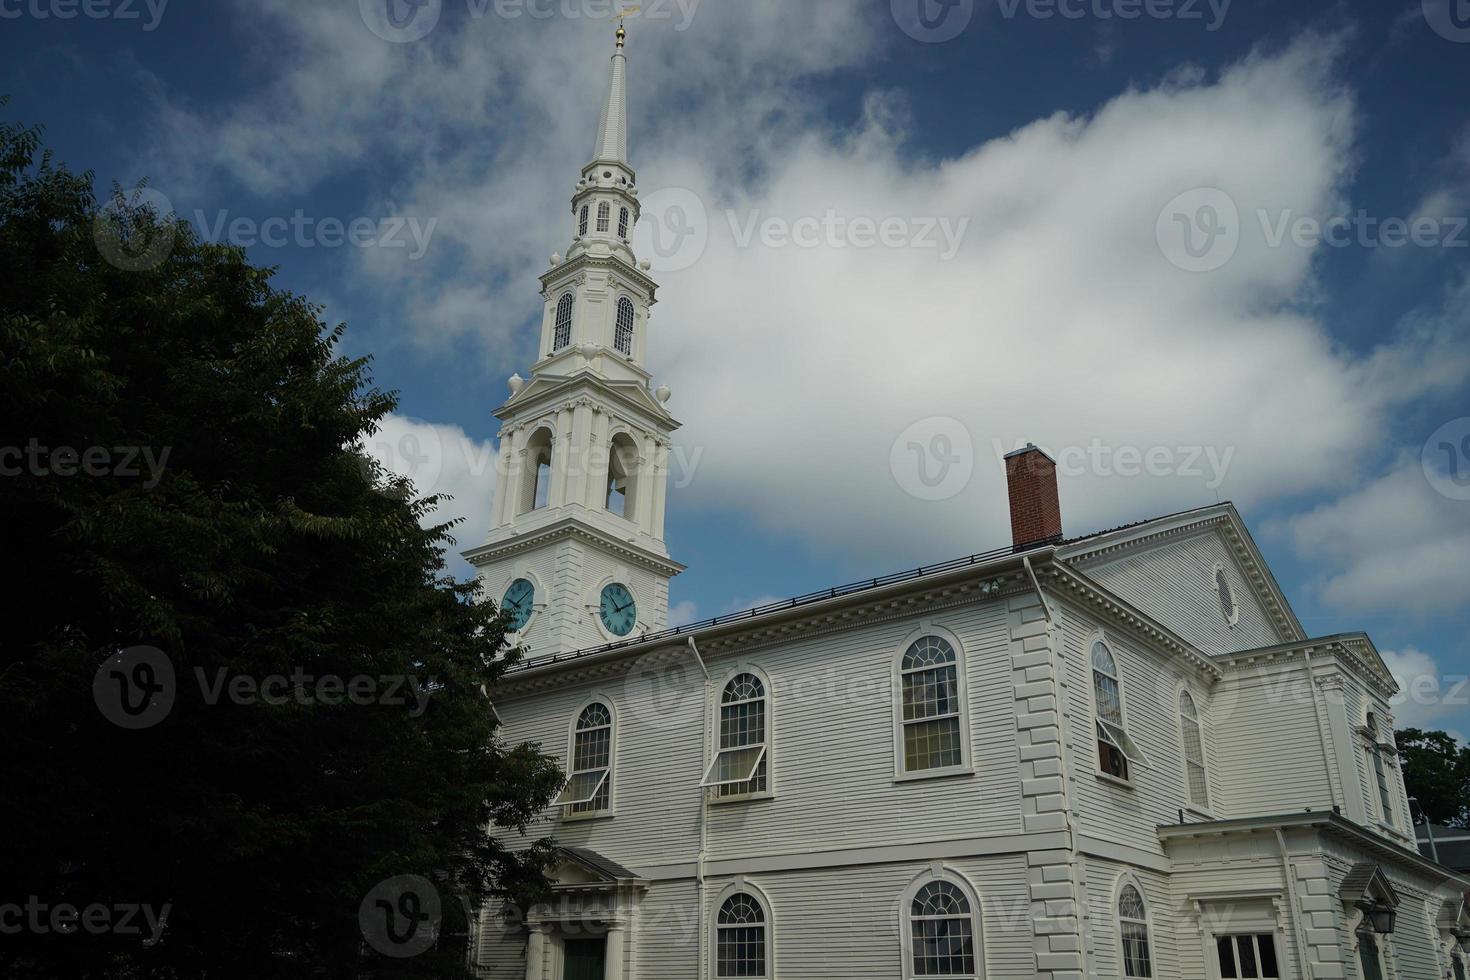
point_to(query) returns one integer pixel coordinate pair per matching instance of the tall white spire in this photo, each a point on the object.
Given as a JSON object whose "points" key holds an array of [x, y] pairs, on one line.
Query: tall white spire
{"points": [[612, 135]]}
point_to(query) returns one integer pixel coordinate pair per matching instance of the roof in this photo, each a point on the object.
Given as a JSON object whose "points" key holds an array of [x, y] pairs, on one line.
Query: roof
{"points": [[1365, 879], [599, 864]]}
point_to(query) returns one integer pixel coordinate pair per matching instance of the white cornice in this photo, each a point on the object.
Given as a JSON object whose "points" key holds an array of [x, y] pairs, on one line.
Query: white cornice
{"points": [[1354, 651], [576, 528], [1073, 583]]}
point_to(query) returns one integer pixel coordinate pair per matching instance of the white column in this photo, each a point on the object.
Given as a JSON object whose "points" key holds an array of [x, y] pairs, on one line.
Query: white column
{"points": [[660, 488], [597, 457], [647, 474], [536, 953], [614, 968], [499, 508], [561, 454]]}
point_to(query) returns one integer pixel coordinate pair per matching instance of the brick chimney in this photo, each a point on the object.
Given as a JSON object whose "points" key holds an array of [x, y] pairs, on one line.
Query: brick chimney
{"points": [[1036, 512]]}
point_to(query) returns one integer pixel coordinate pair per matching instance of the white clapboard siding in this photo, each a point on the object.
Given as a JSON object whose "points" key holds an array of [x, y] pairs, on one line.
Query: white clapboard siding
{"points": [[1174, 582], [832, 759], [1269, 743]]}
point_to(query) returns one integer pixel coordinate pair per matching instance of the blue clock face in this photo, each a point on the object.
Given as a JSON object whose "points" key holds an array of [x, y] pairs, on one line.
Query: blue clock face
{"points": [[519, 602], [618, 610]]}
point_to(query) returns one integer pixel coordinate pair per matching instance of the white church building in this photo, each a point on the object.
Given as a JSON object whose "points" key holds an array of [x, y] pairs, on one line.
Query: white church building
{"points": [[1117, 755]]}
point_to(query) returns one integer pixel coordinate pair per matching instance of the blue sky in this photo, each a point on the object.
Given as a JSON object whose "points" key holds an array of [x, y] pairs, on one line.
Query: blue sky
{"points": [[1063, 156]]}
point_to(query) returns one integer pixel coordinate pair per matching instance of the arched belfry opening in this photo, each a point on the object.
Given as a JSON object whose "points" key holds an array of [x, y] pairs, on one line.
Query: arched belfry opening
{"points": [[535, 477], [623, 476]]}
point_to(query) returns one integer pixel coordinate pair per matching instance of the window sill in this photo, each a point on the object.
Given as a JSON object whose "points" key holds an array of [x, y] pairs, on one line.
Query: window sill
{"points": [[1124, 783], [1202, 813], [584, 817], [950, 773]]}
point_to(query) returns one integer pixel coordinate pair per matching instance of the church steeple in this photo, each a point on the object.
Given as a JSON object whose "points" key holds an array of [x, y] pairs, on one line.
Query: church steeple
{"points": [[576, 549], [612, 135]]}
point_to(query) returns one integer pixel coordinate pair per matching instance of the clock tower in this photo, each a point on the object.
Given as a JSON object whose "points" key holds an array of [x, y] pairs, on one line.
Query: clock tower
{"points": [[576, 548]]}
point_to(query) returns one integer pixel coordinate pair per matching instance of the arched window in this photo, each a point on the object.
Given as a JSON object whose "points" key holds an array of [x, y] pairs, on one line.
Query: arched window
{"points": [[1115, 749], [942, 932], [563, 335], [1380, 771], [623, 337], [604, 216], [741, 949], [932, 736], [623, 224], [582, 222], [589, 790], [740, 767], [1133, 921], [1194, 750]]}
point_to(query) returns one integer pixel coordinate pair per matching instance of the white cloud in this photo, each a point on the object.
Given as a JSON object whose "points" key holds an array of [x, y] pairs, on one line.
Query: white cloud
{"points": [[442, 459], [1428, 697], [1392, 544], [1058, 320]]}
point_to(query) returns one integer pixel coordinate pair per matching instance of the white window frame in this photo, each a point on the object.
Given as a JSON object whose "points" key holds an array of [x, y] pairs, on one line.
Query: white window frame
{"points": [[570, 302], [604, 217], [1206, 808], [1381, 790], [612, 761], [714, 786], [1126, 881], [624, 303], [624, 219], [1115, 733], [582, 220], [740, 885], [1216, 573], [940, 872], [962, 695]]}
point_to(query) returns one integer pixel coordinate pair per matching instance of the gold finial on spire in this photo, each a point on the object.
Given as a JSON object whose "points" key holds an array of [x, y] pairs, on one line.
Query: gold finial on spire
{"points": [[625, 11]]}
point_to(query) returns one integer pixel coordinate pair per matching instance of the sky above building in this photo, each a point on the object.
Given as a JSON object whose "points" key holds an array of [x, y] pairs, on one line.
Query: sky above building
{"points": [[1199, 250]]}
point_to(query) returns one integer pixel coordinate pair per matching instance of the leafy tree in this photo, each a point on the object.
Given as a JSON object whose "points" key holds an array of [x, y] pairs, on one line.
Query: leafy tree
{"points": [[1437, 774], [265, 544]]}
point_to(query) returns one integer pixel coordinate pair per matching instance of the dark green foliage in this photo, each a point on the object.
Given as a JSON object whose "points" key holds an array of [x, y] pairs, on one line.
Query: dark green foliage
{"points": [[267, 545], [1437, 773]]}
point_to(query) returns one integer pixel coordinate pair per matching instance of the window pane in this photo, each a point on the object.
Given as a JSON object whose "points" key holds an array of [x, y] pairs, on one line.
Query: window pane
{"points": [[592, 749], [742, 724], [1247, 948], [1226, 947], [1109, 700], [940, 898], [931, 744], [734, 765], [1102, 659], [944, 947], [928, 651], [582, 787], [929, 693], [1266, 945], [1137, 959], [741, 951]]}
